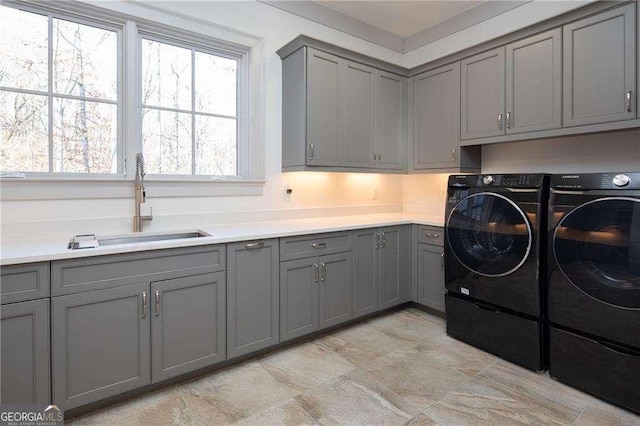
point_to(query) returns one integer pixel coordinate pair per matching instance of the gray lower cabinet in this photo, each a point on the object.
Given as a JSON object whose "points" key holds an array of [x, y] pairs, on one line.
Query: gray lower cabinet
{"points": [[436, 116], [365, 280], [253, 297], [100, 344], [394, 266], [188, 329], [534, 83], [431, 287], [299, 295], [24, 335], [382, 273], [359, 92], [335, 289], [482, 95], [599, 75]]}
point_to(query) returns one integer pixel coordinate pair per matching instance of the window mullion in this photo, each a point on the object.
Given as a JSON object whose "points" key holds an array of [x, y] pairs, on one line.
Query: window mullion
{"points": [[193, 112], [50, 89]]}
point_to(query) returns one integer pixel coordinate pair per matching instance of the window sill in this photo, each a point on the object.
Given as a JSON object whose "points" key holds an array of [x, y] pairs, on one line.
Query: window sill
{"points": [[67, 189]]}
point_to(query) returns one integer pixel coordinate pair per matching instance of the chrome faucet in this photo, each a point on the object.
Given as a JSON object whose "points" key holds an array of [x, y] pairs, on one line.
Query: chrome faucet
{"points": [[141, 196]]}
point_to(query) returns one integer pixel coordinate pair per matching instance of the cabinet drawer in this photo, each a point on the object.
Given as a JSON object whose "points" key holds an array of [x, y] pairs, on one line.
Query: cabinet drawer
{"points": [[431, 235], [24, 282], [101, 272], [314, 245]]}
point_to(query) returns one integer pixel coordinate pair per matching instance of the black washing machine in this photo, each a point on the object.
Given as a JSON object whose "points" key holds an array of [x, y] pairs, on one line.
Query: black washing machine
{"points": [[495, 231], [594, 284]]}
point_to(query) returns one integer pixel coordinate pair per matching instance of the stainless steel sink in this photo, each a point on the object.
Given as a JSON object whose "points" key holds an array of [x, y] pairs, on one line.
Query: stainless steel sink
{"points": [[148, 238]]}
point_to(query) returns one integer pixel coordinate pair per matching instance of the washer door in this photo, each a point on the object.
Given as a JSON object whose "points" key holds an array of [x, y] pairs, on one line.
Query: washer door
{"points": [[597, 248], [489, 234]]}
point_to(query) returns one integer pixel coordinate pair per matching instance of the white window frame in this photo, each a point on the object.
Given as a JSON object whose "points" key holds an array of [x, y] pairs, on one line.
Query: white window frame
{"points": [[134, 20]]}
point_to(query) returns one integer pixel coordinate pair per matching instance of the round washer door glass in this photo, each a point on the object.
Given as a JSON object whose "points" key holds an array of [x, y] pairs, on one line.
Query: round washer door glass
{"points": [[489, 234], [597, 248]]}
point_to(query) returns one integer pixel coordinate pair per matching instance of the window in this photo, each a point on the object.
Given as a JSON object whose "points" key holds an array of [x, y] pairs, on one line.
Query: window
{"points": [[70, 106], [189, 112], [58, 95]]}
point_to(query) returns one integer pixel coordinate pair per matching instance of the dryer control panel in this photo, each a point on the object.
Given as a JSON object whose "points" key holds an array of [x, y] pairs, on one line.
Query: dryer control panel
{"points": [[497, 181], [585, 181]]}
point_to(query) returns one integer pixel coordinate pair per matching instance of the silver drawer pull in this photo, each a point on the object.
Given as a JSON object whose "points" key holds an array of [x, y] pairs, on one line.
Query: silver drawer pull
{"points": [[250, 246], [430, 235], [319, 245], [628, 99], [157, 303], [442, 260], [144, 304]]}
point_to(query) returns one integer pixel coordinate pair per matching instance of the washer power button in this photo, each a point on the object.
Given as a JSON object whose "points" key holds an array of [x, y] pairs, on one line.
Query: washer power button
{"points": [[487, 180], [621, 180]]}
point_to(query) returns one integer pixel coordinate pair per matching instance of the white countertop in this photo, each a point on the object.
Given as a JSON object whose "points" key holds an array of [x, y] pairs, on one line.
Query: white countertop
{"points": [[41, 250]]}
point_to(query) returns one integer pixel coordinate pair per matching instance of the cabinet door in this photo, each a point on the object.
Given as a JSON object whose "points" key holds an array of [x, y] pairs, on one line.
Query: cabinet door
{"points": [[100, 344], [436, 117], [599, 68], [298, 297], [188, 327], [253, 299], [534, 83], [24, 333], [324, 109], [365, 277], [395, 266], [335, 289], [482, 95], [391, 95], [431, 288], [358, 115]]}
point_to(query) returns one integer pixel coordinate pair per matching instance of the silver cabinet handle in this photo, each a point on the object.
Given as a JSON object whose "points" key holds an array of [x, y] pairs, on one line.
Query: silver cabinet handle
{"points": [[430, 235], [379, 156], [377, 240], [323, 276], [508, 119], [144, 304], [373, 152], [628, 98], [157, 294], [250, 246], [384, 240], [319, 245], [315, 273], [500, 121], [453, 155], [310, 149], [442, 260]]}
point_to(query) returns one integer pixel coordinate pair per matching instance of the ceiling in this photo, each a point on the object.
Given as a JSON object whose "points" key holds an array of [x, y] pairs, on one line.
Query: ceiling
{"points": [[402, 18]]}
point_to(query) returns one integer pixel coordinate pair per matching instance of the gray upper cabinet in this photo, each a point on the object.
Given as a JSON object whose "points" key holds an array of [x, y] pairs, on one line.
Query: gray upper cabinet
{"points": [[335, 289], [482, 95], [365, 289], [100, 344], [394, 266], [324, 109], [599, 77], [253, 301], [389, 136], [359, 92], [534, 83], [24, 334], [298, 297], [436, 118], [188, 324], [431, 287]]}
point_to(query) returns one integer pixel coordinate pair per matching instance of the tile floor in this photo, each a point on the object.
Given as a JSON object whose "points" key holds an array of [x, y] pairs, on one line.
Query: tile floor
{"points": [[398, 369]]}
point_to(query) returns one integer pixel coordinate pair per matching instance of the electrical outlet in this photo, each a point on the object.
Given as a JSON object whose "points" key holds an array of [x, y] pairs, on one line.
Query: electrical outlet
{"points": [[374, 193], [288, 195]]}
